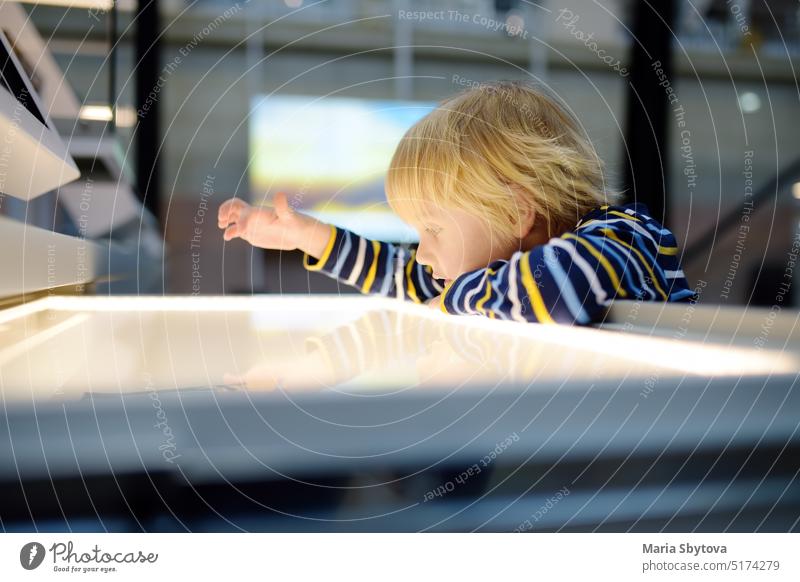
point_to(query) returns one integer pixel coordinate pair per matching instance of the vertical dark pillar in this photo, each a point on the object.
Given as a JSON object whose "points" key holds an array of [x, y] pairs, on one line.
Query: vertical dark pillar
{"points": [[112, 64], [148, 134], [646, 155]]}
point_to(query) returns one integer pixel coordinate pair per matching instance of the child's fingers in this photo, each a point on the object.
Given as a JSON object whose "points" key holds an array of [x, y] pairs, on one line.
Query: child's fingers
{"points": [[222, 213], [229, 211], [232, 232], [281, 204]]}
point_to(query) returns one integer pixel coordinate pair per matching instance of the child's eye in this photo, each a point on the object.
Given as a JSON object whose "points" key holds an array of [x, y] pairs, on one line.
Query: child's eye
{"points": [[433, 230]]}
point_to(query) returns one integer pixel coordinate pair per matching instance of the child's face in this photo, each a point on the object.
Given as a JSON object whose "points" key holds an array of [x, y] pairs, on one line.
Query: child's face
{"points": [[454, 242]]}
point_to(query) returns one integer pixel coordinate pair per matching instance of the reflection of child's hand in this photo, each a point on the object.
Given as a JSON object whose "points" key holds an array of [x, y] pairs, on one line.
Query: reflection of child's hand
{"points": [[306, 371]]}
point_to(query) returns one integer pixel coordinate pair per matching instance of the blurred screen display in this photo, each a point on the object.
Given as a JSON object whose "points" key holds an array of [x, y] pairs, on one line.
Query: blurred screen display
{"points": [[330, 156]]}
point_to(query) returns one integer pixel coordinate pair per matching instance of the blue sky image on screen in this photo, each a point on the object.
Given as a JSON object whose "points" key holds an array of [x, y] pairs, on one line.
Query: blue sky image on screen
{"points": [[330, 156]]}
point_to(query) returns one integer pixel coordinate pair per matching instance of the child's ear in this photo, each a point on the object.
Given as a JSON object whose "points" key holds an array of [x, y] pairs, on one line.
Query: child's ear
{"points": [[524, 213]]}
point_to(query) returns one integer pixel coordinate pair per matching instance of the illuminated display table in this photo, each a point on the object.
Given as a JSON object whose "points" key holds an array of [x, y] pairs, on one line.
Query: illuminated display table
{"points": [[354, 412]]}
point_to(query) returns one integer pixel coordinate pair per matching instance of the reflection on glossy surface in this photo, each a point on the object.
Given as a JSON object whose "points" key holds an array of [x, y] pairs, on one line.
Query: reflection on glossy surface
{"points": [[66, 347]]}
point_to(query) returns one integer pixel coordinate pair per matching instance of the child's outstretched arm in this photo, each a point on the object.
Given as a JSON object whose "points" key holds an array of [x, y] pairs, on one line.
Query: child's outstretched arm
{"points": [[571, 279], [279, 228], [372, 266]]}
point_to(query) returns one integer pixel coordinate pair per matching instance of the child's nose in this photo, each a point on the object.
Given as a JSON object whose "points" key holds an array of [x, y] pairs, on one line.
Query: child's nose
{"points": [[422, 256]]}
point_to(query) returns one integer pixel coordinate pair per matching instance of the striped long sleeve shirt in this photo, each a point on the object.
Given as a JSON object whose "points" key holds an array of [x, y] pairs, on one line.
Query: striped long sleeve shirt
{"points": [[614, 252]]}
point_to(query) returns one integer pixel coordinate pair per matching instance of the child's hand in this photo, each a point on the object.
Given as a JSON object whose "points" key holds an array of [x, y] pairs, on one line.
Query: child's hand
{"points": [[434, 303], [279, 228]]}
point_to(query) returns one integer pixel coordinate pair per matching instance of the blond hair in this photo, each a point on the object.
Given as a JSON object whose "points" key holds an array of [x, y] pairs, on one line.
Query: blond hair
{"points": [[493, 147]]}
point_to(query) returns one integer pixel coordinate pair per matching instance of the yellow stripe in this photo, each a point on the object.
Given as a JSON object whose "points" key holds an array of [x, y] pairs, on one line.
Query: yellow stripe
{"points": [[444, 293], [539, 309], [485, 298], [588, 222], [670, 251], [325, 254], [373, 268], [603, 261], [412, 292], [611, 234], [623, 215], [596, 220]]}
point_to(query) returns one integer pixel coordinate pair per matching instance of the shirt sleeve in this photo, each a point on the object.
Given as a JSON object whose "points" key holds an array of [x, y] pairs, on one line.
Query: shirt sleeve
{"points": [[375, 267], [571, 279]]}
